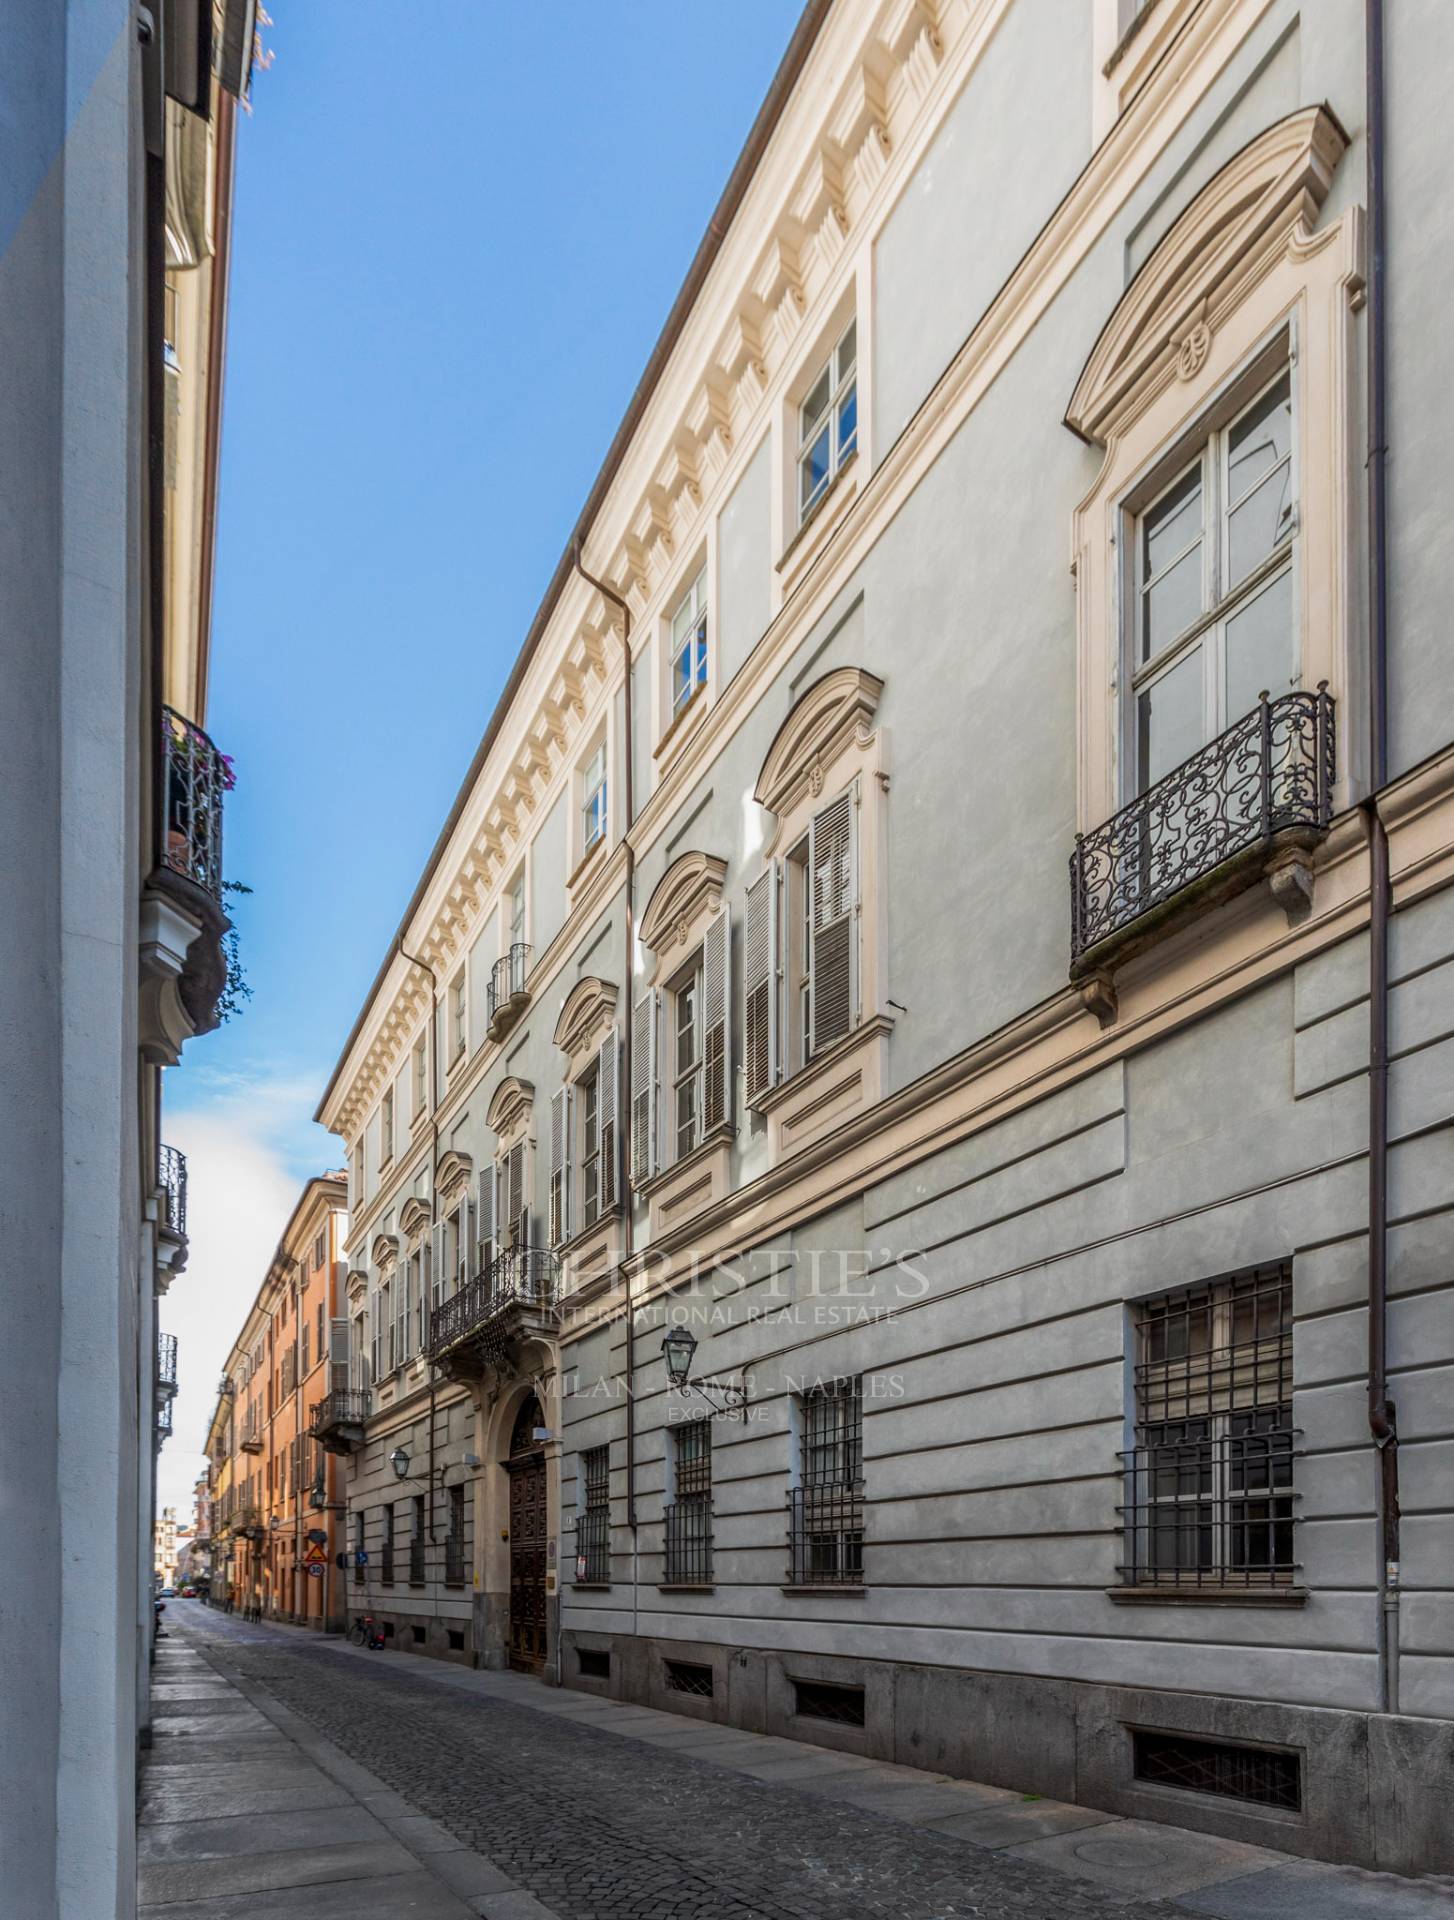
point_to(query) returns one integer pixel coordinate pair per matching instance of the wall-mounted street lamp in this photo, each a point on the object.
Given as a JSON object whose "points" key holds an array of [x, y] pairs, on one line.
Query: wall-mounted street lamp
{"points": [[402, 1464], [678, 1349]]}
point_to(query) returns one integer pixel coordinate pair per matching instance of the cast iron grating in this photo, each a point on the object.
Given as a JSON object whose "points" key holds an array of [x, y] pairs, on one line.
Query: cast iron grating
{"points": [[822, 1700], [593, 1664], [687, 1676], [1266, 1778]]}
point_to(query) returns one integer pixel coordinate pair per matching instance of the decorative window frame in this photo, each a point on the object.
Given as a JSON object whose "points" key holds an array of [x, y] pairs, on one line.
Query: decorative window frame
{"points": [[587, 1020], [827, 743], [510, 1113], [1122, 62], [1241, 264], [684, 906]]}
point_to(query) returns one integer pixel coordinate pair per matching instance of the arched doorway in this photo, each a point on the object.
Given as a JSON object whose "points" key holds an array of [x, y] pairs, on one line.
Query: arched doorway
{"points": [[528, 1534]]}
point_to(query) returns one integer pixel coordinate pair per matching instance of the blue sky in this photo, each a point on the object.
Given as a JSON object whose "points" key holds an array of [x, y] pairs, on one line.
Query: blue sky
{"points": [[458, 230]]}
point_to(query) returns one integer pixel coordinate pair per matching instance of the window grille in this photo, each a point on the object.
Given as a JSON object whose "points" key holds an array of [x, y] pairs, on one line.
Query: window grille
{"points": [[593, 1663], [358, 1550], [416, 1544], [822, 1700], [454, 1540], [689, 1676], [1209, 1482], [1267, 1778], [825, 1511], [593, 1523], [386, 1556], [689, 1518]]}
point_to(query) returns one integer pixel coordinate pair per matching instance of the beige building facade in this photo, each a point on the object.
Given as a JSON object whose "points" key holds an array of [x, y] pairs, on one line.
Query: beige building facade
{"points": [[899, 1162]]}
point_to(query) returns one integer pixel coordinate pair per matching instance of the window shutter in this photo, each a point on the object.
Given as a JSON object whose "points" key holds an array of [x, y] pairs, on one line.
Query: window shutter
{"points": [[606, 1118], [338, 1355], [436, 1264], [717, 1021], [832, 877], [404, 1280], [760, 984], [644, 1101], [519, 1200], [375, 1335], [464, 1251], [485, 1225], [558, 1156]]}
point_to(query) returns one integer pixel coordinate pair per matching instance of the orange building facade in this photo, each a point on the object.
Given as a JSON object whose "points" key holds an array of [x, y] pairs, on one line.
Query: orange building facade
{"points": [[280, 1495]]}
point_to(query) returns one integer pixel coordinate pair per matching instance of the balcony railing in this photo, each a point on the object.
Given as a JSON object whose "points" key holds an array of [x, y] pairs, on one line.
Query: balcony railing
{"points": [[527, 1277], [163, 1417], [1270, 772], [195, 776], [344, 1407], [166, 1363], [248, 1521], [507, 995], [251, 1437], [172, 1179]]}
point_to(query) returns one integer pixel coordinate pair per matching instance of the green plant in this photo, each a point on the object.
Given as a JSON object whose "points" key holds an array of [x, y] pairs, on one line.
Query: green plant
{"points": [[236, 991]]}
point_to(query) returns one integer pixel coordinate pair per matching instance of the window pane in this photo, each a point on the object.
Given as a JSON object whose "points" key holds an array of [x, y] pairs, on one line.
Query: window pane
{"points": [[1169, 719], [815, 406], [814, 470], [681, 676], [1170, 527], [1259, 441], [848, 350], [848, 422], [1260, 648], [1169, 607], [1256, 527]]}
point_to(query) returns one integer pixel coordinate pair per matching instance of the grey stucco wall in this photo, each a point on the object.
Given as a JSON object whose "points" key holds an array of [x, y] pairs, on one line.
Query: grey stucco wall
{"points": [[744, 564]]}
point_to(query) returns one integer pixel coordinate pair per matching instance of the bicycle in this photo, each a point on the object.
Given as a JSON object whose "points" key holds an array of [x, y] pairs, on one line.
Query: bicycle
{"points": [[364, 1633]]}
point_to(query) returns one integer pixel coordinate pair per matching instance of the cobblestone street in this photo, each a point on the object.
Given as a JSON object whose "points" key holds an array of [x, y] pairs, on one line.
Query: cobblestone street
{"points": [[442, 1793]]}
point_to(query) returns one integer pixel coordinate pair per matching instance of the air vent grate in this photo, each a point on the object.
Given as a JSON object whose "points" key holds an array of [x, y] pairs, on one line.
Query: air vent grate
{"points": [[593, 1663], [686, 1676], [821, 1700], [1255, 1774]]}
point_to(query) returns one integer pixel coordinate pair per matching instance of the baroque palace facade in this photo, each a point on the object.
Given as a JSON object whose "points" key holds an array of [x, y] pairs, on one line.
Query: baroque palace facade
{"points": [[900, 1169]]}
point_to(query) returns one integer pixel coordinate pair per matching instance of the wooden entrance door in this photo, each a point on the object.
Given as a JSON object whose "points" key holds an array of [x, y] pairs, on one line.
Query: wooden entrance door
{"points": [[526, 1467]]}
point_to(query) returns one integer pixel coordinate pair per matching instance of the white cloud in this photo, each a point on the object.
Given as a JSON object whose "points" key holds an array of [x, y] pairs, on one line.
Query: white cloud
{"points": [[242, 1184]]}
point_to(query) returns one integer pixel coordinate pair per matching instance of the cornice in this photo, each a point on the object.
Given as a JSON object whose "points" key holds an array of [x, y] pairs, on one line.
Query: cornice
{"points": [[414, 1217], [822, 721], [690, 887], [511, 1107], [384, 1251], [1241, 222], [455, 1168], [590, 1003]]}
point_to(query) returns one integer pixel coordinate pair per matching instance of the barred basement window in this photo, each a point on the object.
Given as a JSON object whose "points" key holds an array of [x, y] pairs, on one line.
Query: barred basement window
{"points": [[825, 1511], [1266, 1778], [456, 1640], [592, 1663], [593, 1522], [689, 1518], [687, 1676], [1209, 1482], [823, 1700]]}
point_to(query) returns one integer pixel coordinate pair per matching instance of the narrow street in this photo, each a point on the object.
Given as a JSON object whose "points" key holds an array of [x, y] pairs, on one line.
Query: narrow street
{"points": [[293, 1776]]}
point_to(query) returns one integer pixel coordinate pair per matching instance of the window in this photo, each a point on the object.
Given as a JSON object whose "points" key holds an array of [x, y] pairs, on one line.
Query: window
{"points": [[1212, 613], [384, 1320], [1209, 1481], [593, 1517], [824, 1700], [360, 1555], [1263, 1775], [688, 1676], [416, 1544], [688, 664], [826, 1507], [593, 800], [386, 1128], [689, 1516], [419, 1075], [307, 1363], [456, 1016], [516, 917], [686, 1059], [828, 422], [454, 1540], [319, 1250], [386, 1555]]}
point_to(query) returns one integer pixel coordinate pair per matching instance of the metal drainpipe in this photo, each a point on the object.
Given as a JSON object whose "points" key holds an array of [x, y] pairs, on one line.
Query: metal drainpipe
{"points": [[628, 971], [1381, 1413], [415, 961]]}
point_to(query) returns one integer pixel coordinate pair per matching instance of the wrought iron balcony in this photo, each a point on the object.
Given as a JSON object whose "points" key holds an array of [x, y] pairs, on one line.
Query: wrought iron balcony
{"points": [[163, 1417], [508, 997], [166, 1364], [195, 777], [251, 1437], [520, 1285], [1203, 830], [247, 1523], [172, 1179], [338, 1419]]}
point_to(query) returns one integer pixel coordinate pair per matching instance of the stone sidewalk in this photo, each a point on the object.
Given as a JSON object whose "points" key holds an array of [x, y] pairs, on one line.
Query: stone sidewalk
{"points": [[248, 1808]]}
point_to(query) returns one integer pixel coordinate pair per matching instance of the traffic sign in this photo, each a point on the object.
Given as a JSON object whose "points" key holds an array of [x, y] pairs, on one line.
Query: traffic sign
{"points": [[315, 1556], [314, 1570]]}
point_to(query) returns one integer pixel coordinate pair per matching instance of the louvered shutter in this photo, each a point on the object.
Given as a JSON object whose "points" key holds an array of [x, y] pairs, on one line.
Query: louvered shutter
{"points": [[464, 1246], [644, 1101], [606, 1059], [519, 1200], [403, 1299], [338, 1355], [760, 984], [375, 1336], [485, 1227], [559, 1165], [832, 875], [717, 1021]]}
